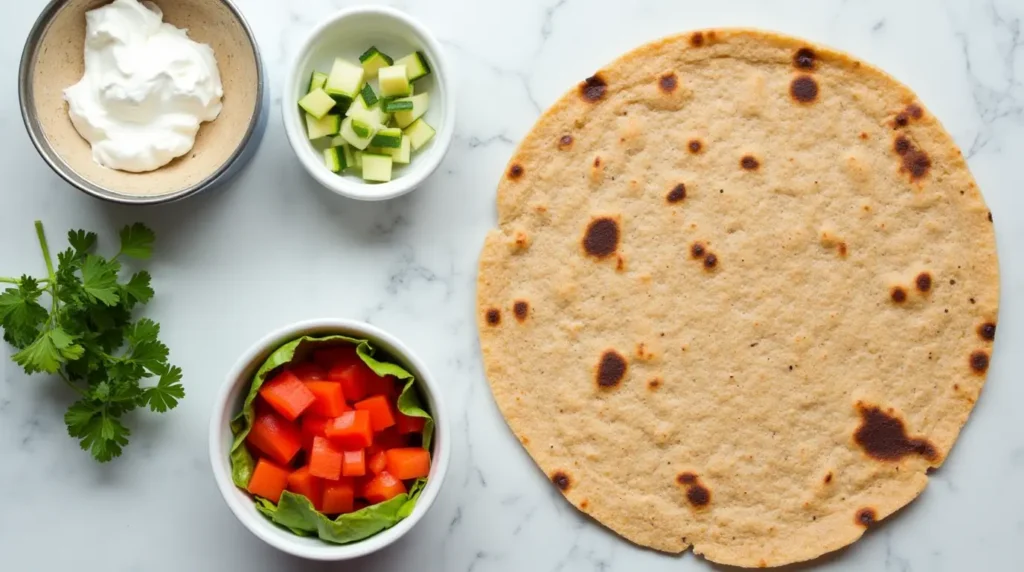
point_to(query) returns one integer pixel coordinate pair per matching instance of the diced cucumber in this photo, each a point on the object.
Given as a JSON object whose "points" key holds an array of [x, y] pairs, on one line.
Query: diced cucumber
{"points": [[357, 155], [420, 103], [317, 103], [393, 105], [371, 114], [393, 81], [400, 154], [369, 98], [345, 79], [372, 60], [376, 167], [418, 134], [389, 137], [357, 133], [349, 155], [324, 127], [416, 65], [316, 81], [333, 159]]}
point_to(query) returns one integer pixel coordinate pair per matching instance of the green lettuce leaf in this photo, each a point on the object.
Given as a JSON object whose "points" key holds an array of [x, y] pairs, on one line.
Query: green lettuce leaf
{"points": [[295, 512]]}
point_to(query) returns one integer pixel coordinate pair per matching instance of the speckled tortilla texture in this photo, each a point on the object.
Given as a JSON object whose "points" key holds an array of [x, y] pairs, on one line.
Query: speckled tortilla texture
{"points": [[751, 374]]}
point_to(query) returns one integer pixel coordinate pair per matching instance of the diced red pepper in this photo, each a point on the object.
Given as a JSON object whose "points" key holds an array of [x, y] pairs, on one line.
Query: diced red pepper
{"points": [[335, 356], [383, 487], [408, 463], [330, 399], [376, 460], [303, 483], [354, 463], [312, 426], [388, 386], [351, 430], [390, 438], [308, 371], [287, 395], [268, 480], [409, 424], [325, 460], [354, 379], [274, 437], [338, 496], [380, 409]]}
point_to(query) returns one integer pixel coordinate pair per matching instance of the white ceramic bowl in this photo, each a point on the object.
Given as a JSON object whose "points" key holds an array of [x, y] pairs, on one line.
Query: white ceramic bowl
{"points": [[229, 403], [347, 34]]}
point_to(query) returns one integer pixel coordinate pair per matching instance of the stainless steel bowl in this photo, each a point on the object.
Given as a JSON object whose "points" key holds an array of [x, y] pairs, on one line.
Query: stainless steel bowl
{"points": [[65, 20]]}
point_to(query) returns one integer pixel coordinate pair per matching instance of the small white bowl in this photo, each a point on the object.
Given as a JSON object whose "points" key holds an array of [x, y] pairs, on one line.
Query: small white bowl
{"points": [[229, 403], [347, 34]]}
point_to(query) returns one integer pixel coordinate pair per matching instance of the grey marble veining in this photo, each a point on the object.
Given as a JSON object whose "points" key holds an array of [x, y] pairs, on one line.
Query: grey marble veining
{"points": [[274, 247]]}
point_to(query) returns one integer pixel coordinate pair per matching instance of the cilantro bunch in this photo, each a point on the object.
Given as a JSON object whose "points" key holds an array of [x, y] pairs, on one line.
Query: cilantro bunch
{"points": [[88, 338]]}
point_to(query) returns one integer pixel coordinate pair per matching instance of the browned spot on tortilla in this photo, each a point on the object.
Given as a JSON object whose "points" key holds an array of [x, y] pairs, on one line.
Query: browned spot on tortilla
{"points": [[898, 294], [524, 440], [866, 517], [697, 250], [668, 82], [515, 171], [987, 331], [602, 237], [686, 478], [677, 193], [697, 39], [804, 89], [989, 216], [565, 142], [620, 263], [522, 242], [695, 146], [749, 163], [611, 370], [804, 59], [710, 261], [584, 504], [828, 477], [654, 383], [884, 437], [593, 88], [762, 563], [901, 145], [561, 480], [698, 495], [863, 135], [914, 160], [841, 247], [493, 316], [901, 120], [597, 161], [923, 282], [979, 361], [915, 111], [521, 309]]}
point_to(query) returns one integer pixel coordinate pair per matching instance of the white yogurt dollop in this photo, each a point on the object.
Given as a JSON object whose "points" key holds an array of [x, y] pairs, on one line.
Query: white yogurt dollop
{"points": [[146, 88]]}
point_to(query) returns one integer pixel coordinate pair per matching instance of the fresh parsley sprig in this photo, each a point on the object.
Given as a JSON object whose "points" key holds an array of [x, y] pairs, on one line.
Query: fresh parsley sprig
{"points": [[87, 336]]}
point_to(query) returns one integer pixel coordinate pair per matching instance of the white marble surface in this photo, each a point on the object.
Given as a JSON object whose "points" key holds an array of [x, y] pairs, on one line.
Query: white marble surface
{"points": [[274, 247]]}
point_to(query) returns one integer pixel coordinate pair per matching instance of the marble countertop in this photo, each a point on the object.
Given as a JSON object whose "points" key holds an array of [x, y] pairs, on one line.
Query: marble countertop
{"points": [[273, 247]]}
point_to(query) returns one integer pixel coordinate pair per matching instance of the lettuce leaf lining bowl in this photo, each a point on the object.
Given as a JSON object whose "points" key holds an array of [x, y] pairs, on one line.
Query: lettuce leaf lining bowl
{"points": [[292, 525]]}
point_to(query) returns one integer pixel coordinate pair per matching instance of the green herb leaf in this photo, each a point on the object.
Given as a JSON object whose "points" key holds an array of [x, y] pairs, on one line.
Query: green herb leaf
{"points": [[166, 393], [51, 349], [138, 290], [21, 315], [81, 241], [99, 279], [137, 241], [98, 432]]}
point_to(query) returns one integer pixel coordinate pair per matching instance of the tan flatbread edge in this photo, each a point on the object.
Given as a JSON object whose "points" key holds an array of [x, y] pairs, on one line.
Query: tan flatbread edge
{"points": [[720, 536]]}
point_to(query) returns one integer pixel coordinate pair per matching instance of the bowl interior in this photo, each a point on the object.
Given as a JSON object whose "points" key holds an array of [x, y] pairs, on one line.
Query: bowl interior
{"points": [[58, 62], [244, 507], [348, 37]]}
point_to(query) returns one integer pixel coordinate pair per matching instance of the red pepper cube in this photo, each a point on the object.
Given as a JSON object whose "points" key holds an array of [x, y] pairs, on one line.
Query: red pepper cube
{"points": [[330, 399], [303, 483], [353, 463], [408, 424], [308, 371], [338, 496], [275, 437], [268, 480], [408, 463], [287, 395], [383, 487], [312, 426], [335, 356], [351, 430], [376, 460], [381, 411], [325, 460]]}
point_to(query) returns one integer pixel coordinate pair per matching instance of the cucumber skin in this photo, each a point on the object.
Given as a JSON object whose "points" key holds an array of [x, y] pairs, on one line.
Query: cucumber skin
{"points": [[394, 105], [373, 50], [369, 98]]}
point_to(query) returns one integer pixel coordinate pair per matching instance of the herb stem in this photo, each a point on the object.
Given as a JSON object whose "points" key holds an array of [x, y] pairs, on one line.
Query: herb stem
{"points": [[67, 381], [51, 276], [9, 281]]}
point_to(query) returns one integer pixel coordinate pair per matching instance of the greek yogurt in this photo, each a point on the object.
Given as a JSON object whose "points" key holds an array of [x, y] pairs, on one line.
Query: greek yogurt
{"points": [[146, 89]]}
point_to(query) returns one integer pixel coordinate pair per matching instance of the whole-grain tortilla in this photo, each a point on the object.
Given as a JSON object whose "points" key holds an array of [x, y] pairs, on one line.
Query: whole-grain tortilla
{"points": [[742, 296]]}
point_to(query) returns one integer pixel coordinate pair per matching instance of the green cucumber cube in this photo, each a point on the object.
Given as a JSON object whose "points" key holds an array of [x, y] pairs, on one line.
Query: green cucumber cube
{"points": [[349, 156], [418, 134], [345, 79], [376, 168], [389, 137], [326, 126], [416, 65], [357, 155], [420, 103], [317, 103], [371, 114], [372, 60], [393, 81], [393, 105], [357, 133], [367, 95], [316, 81], [401, 154], [334, 160]]}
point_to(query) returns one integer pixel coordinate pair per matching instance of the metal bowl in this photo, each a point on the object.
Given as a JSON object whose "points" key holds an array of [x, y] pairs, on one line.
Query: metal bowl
{"points": [[53, 60]]}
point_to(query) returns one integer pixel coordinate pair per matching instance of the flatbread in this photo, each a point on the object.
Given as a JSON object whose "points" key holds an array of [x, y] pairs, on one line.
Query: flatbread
{"points": [[742, 296]]}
